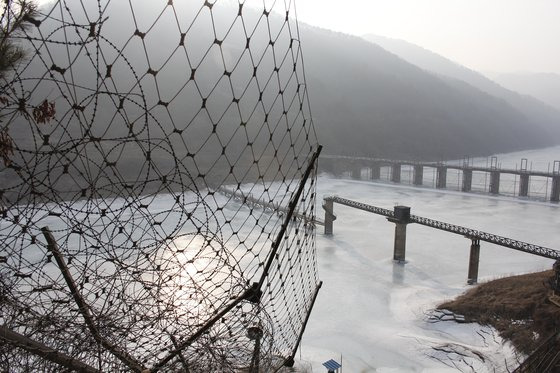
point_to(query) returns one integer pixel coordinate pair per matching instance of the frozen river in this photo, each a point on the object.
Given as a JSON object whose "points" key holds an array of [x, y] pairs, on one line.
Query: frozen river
{"points": [[373, 313]]}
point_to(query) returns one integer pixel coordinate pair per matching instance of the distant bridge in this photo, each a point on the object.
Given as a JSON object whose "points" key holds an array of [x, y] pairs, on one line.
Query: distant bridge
{"points": [[401, 217], [249, 200], [337, 165]]}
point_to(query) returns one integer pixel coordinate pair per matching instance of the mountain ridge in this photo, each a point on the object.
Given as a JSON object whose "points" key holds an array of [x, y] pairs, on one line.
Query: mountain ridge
{"points": [[437, 64], [368, 101], [364, 100], [543, 86]]}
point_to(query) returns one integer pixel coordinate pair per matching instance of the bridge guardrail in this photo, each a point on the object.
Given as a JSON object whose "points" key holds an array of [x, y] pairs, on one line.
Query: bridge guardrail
{"points": [[456, 229]]}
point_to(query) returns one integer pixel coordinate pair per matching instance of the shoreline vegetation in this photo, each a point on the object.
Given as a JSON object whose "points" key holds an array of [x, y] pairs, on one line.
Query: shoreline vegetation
{"points": [[517, 307]]}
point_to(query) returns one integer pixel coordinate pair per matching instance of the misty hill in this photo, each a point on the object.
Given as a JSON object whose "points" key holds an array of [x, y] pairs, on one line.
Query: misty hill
{"points": [[425, 59], [369, 101], [544, 86], [364, 100], [538, 114], [156, 96]]}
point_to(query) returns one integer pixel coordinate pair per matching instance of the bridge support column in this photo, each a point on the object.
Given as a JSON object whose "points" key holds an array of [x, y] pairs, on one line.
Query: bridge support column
{"points": [[473, 261], [356, 171], [555, 192], [375, 171], [396, 172], [523, 185], [418, 174], [326, 165], [401, 219], [467, 180], [441, 177], [495, 182], [335, 169], [330, 217], [399, 251]]}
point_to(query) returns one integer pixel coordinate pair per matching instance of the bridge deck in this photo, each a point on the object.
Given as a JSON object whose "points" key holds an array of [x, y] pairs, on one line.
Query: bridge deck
{"points": [[452, 228], [248, 199], [389, 162]]}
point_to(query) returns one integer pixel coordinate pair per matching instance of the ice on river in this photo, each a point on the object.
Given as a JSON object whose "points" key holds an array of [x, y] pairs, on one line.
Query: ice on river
{"points": [[374, 313]]}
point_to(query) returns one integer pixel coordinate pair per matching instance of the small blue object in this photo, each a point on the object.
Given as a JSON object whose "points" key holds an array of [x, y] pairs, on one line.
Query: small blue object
{"points": [[331, 365]]}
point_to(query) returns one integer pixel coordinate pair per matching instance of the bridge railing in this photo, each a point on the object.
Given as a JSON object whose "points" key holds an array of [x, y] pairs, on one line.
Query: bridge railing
{"points": [[456, 229], [401, 217], [520, 181], [249, 200]]}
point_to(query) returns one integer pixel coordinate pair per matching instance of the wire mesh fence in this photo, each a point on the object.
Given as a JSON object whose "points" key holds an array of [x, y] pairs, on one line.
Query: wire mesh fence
{"points": [[120, 126]]}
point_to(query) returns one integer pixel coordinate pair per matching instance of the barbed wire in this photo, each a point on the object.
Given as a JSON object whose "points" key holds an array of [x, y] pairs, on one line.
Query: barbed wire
{"points": [[118, 250]]}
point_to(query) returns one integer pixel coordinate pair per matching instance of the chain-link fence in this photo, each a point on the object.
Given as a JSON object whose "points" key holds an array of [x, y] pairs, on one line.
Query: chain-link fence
{"points": [[121, 127]]}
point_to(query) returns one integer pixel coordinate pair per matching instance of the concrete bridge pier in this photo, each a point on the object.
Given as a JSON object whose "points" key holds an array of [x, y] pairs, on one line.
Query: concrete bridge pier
{"points": [[495, 182], [418, 174], [555, 192], [338, 167], [401, 219], [523, 185], [467, 180], [396, 172], [441, 177], [473, 261], [326, 165], [375, 171], [356, 171], [330, 217]]}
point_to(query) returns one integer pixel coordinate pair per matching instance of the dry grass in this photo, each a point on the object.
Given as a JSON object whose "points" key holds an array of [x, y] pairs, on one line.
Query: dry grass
{"points": [[517, 307]]}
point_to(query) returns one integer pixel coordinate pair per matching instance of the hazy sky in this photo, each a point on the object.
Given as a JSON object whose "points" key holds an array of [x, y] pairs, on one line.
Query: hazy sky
{"points": [[485, 35]]}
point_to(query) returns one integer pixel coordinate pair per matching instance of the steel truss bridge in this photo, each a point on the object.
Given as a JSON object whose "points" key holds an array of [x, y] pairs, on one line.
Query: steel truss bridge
{"points": [[469, 233]]}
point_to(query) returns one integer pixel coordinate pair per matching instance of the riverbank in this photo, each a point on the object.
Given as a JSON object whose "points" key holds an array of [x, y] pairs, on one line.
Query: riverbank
{"points": [[518, 307]]}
